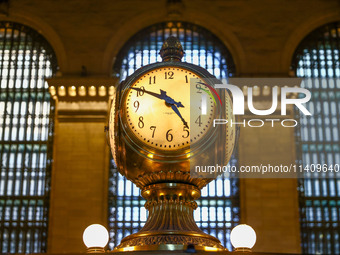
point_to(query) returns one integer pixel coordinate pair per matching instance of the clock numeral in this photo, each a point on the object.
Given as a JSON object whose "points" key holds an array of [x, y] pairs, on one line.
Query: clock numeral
{"points": [[140, 92], [136, 105], [153, 132], [199, 121], [199, 88], [169, 75], [140, 122], [152, 79], [186, 79], [185, 129], [169, 136]]}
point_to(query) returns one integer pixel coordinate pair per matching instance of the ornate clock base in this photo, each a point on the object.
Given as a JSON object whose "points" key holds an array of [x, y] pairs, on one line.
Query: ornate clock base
{"points": [[170, 225]]}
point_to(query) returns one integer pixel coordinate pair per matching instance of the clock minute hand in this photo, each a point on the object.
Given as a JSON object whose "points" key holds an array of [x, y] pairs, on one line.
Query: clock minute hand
{"points": [[150, 93], [173, 107], [162, 96]]}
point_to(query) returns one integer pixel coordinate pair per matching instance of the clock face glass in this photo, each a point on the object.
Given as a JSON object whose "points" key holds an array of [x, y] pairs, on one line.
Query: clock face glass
{"points": [[159, 105]]}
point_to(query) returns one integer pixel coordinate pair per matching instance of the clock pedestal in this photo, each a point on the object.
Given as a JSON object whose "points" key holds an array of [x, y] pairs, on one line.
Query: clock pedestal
{"points": [[170, 225]]}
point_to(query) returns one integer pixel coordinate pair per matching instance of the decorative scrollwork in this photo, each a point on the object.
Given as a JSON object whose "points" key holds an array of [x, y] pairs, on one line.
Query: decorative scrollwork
{"points": [[180, 176], [170, 239]]}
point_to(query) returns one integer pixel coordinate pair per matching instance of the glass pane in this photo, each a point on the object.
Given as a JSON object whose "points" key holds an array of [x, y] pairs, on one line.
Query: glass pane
{"points": [[318, 139], [25, 136]]}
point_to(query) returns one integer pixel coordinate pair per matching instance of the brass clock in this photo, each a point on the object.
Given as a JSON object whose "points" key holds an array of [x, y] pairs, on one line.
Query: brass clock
{"points": [[157, 129]]}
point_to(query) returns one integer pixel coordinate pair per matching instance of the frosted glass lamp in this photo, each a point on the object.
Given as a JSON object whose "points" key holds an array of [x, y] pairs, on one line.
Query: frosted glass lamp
{"points": [[243, 237], [95, 238]]}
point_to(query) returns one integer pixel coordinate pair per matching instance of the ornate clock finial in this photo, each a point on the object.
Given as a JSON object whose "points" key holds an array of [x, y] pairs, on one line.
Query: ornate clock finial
{"points": [[172, 50]]}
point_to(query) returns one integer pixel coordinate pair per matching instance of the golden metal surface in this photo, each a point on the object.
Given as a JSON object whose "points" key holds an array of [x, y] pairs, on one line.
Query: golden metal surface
{"points": [[170, 224], [172, 50], [164, 176], [243, 250], [170, 192], [95, 250]]}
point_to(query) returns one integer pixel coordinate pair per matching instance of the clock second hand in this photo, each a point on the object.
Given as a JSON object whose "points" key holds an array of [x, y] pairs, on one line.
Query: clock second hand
{"points": [[168, 100]]}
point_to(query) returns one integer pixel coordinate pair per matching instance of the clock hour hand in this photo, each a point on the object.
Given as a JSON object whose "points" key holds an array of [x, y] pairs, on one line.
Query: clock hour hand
{"points": [[169, 100], [173, 107]]}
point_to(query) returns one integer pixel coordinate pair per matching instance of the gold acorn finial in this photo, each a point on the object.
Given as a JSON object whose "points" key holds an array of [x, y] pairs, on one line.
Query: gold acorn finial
{"points": [[172, 50]]}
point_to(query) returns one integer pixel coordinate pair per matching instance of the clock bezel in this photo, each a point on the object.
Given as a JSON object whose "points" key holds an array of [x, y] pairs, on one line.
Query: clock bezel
{"points": [[143, 148]]}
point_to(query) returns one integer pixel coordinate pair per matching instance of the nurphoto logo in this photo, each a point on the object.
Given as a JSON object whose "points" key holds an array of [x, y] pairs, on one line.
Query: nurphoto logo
{"points": [[238, 97]]}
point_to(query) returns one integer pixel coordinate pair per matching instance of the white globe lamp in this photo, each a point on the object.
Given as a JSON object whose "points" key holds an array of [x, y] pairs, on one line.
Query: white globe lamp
{"points": [[95, 238], [243, 238]]}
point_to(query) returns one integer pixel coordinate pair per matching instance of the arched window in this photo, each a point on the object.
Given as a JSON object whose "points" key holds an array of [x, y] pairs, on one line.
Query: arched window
{"points": [[201, 48], [218, 208], [26, 59], [317, 60]]}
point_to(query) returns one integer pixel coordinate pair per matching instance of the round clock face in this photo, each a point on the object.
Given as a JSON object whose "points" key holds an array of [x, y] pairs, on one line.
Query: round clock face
{"points": [[164, 113]]}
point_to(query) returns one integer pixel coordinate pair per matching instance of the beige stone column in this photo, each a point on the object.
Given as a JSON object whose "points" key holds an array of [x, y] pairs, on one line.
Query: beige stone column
{"points": [[79, 185], [269, 205]]}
